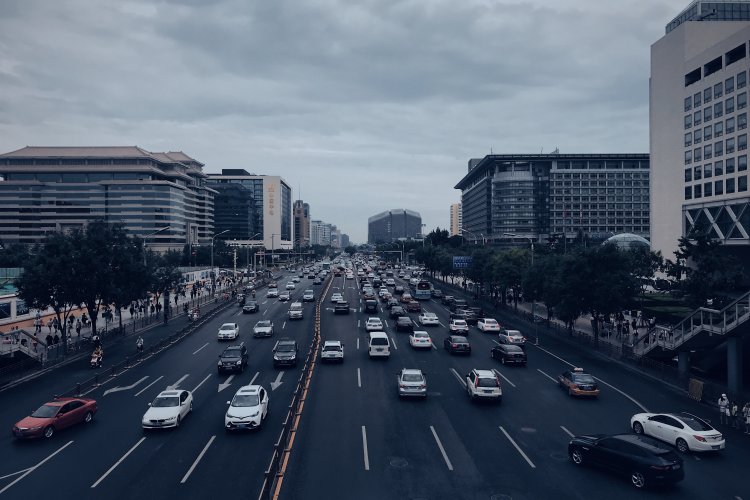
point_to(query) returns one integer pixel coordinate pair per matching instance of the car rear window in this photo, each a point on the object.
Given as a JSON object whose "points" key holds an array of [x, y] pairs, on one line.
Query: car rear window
{"points": [[487, 382], [412, 377], [695, 424], [379, 341]]}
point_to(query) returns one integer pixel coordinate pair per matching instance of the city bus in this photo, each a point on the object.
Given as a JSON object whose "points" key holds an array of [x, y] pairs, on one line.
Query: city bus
{"points": [[423, 290]]}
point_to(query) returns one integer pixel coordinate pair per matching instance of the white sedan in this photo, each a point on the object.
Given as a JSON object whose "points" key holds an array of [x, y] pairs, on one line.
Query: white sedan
{"points": [[488, 325], [458, 326], [229, 331], [420, 339], [168, 409], [428, 319], [290, 286], [336, 297], [247, 409], [374, 325], [272, 293], [687, 432]]}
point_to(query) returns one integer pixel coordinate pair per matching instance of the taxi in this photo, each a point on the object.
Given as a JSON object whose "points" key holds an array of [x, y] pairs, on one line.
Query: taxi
{"points": [[578, 383]]}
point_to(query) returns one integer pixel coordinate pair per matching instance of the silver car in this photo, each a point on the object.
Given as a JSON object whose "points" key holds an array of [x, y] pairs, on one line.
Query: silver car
{"points": [[412, 382]]}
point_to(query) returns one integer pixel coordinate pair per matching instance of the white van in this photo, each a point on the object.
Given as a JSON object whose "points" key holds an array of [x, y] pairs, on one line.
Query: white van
{"points": [[295, 310], [379, 345]]}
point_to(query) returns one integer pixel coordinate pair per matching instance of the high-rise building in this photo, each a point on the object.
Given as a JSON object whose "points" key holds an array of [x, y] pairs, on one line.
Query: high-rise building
{"points": [[235, 212], [301, 224], [507, 199], [698, 127], [455, 221], [272, 215], [49, 189], [345, 240], [393, 225]]}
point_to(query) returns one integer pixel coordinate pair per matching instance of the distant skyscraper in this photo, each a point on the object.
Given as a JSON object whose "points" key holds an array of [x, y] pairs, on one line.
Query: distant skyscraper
{"points": [[393, 225], [301, 224], [345, 240], [456, 222]]}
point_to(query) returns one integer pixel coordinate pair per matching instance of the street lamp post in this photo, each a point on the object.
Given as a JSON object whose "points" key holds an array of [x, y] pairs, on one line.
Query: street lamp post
{"points": [[213, 273], [145, 241], [474, 235]]}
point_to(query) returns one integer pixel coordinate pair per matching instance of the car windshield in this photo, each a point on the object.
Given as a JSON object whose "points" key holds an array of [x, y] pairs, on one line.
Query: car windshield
{"points": [[245, 400], [411, 377], [263, 323], [231, 353], [694, 423], [487, 382], [583, 378], [285, 347], [166, 402], [46, 411]]}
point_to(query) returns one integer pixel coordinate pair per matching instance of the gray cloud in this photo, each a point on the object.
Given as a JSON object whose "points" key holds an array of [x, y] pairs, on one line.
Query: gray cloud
{"points": [[365, 105]]}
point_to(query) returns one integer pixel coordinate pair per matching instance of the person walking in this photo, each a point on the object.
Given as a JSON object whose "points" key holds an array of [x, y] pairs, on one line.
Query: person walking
{"points": [[724, 409], [735, 414], [746, 415]]}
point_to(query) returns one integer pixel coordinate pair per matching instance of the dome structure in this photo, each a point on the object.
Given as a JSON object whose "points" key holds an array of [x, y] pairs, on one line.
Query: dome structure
{"points": [[627, 241]]}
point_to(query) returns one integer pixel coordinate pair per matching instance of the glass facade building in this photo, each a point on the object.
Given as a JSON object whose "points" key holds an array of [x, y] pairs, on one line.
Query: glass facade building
{"points": [[393, 225]]}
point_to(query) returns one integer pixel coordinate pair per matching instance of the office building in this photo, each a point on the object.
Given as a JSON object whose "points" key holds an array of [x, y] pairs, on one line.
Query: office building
{"points": [[301, 224], [698, 127], [235, 212], [394, 225], [507, 199], [50, 189], [455, 220], [271, 217], [345, 242]]}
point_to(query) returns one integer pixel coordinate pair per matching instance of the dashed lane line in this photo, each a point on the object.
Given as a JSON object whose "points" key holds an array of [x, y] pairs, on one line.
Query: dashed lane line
{"points": [[566, 431], [518, 448], [393, 340], [442, 450], [122, 459], [504, 377], [35, 467], [364, 448], [198, 459], [149, 385], [201, 383], [200, 348], [546, 375], [359, 379], [458, 377]]}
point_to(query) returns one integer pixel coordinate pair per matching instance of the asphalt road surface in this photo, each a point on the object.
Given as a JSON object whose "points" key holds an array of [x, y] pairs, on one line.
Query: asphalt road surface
{"points": [[357, 439]]}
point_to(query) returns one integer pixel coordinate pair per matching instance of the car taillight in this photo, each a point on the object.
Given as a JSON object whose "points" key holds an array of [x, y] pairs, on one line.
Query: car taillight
{"points": [[423, 386], [700, 438], [497, 382]]}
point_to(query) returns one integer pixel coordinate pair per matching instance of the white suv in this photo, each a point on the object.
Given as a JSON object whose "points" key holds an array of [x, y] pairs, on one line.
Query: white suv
{"points": [[336, 297], [247, 409], [483, 384], [295, 310], [374, 325], [333, 350]]}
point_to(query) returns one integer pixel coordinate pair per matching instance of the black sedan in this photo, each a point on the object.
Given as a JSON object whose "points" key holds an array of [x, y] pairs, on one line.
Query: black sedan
{"points": [[643, 459], [457, 344], [250, 307], [397, 311], [404, 324], [398, 290], [509, 354]]}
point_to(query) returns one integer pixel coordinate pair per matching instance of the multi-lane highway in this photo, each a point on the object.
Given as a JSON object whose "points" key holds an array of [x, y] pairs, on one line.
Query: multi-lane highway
{"points": [[356, 439]]}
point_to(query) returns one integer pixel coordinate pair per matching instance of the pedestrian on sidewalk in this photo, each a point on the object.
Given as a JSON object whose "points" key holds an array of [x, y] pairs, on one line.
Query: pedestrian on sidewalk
{"points": [[78, 327], [49, 325], [746, 415], [48, 339], [735, 414], [724, 409]]}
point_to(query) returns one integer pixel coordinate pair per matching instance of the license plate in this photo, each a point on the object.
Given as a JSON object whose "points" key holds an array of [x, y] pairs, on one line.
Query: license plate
{"points": [[715, 447], [675, 467], [488, 391], [379, 350]]}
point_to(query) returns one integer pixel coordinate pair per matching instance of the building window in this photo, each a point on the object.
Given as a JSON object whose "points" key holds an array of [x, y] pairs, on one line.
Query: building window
{"points": [[718, 129], [728, 87], [730, 165], [718, 90], [742, 100], [707, 115], [688, 121], [688, 157], [741, 183], [741, 81], [730, 145], [741, 121], [707, 95], [707, 133], [688, 175], [707, 189], [697, 118], [741, 163], [730, 185], [707, 170], [729, 105], [707, 152], [688, 192], [718, 188], [697, 173], [719, 148], [688, 139], [688, 104], [718, 110], [719, 168], [742, 142], [697, 154], [729, 125], [697, 136], [697, 191]]}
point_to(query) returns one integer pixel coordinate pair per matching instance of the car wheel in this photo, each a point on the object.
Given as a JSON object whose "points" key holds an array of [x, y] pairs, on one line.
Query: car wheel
{"points": [[177, 424], [638, 479], [638, 428], [49, 432], [682, 446], [576, 455], [88, 417]]}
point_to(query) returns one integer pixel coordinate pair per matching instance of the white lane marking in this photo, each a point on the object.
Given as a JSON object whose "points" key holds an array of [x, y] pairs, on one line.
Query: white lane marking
{"points": [[265, 311], [442, 450], [177, 384], [636, 402], [364, 448], [358, 344], [276, 383], [198, 459], [434, 346], [359, 379], [386, 322], [283, 325], [226, 383], [381, 310], [15, 473], [504, 377], [109, 471], [254, 377], [149, 385], [358, 323], [495, 341], [239, 313], [548, 376], [458, 377], [35, 467], [125, 387], [439, 323], [393, 340], [197, 386], [518, 448], [566, 431], [264, 302], [200, 348]]}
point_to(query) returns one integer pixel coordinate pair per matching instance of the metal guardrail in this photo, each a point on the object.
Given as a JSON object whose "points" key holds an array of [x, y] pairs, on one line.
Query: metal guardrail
{"points": [[274, 473]]}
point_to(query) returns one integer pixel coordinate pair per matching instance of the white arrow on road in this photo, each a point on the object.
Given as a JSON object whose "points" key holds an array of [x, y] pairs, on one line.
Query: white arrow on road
{"points": [[226, 383], [276, 383], [131, 386], [177, 384]]}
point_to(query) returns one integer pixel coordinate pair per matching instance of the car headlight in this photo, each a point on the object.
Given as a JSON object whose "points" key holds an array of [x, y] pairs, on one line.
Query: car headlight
{"points": [[169, 419], [219, 363], [239, 362], [229, 415], [255, 414]]}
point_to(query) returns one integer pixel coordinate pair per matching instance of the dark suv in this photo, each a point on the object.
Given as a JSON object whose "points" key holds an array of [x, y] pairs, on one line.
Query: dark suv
{"points": [[458, 304], [404, 324], [397, 311], [233, 359], [341, 307], [285, 352]]}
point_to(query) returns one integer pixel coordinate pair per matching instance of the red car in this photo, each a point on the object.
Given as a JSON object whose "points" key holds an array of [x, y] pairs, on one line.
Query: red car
{"points": [[413, 306], [55, 415]]}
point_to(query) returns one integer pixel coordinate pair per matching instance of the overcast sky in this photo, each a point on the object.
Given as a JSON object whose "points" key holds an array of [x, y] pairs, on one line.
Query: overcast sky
{"points": [[361, 105]]}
